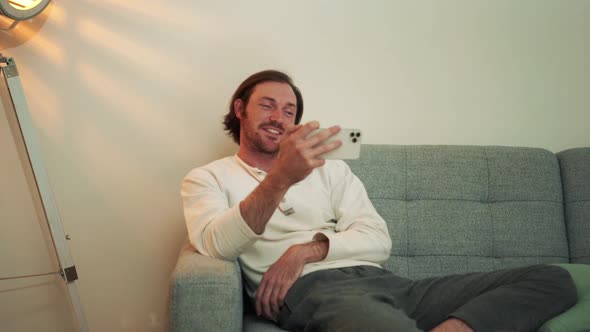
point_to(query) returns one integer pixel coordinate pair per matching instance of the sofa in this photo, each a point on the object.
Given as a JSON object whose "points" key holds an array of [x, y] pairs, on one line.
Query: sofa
{"points": [[449, 209]]}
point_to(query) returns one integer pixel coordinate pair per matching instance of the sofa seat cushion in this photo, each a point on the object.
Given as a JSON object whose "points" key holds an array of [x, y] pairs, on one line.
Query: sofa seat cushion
{"points": [[253, 323], [577, 318]]}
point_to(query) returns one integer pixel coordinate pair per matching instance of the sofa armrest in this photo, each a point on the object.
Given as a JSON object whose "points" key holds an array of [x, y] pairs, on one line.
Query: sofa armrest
{"points": [[575, 176], [205, 294]]}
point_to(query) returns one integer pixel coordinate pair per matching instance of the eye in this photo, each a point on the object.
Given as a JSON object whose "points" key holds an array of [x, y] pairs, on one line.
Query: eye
{"points": [[289, 113], [265, 106]]}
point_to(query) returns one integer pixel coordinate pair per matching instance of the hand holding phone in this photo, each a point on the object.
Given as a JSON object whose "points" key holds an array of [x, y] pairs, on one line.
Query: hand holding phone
{"points": [[351, 144]]}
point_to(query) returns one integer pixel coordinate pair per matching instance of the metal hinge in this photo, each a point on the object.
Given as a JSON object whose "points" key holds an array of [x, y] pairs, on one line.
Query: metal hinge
{"points": [[10, 68], [69, 274]]}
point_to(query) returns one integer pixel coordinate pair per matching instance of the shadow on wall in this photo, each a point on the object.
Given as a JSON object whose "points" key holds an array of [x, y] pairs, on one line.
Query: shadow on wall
{"points": [[14, 33]]}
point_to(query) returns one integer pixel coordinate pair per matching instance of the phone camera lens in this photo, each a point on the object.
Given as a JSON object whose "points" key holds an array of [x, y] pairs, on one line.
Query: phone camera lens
{"points": [[351, 134], [354, 140], [358, 134]]}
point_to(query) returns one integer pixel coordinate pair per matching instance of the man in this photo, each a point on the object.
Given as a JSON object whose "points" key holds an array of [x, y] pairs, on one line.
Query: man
{"points": [[309, 241]]}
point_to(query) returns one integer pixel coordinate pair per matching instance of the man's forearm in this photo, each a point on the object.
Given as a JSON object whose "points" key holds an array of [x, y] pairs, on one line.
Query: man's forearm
{"points": [[259, 206]]}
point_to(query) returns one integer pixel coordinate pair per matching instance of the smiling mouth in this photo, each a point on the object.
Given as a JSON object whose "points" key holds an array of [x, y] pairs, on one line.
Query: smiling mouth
{"points": [[273, 131]]}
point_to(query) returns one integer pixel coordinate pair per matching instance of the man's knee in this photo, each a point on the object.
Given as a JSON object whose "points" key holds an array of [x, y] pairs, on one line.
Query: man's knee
{"points": [[566, 285], [557, 282]]}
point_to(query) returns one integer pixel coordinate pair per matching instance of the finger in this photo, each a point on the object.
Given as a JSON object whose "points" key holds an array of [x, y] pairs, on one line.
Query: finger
{"points": [[322, 136], [265, 302], [307, 128], [274, 302], [317, 162], [291, 129], [267, 310], [259, 292], [321, 149], [283, 295]]}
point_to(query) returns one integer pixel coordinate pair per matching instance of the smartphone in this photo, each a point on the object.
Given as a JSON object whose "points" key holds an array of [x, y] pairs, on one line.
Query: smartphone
{"points": [[351, 144]]}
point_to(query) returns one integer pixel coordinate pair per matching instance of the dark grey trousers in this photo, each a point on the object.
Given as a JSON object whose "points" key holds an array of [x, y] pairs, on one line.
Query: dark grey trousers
{"points": [[365, 298]]}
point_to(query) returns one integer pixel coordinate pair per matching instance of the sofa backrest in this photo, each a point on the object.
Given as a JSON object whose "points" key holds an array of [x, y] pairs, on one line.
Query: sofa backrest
{"points": [[575, 175], [455, 209]]}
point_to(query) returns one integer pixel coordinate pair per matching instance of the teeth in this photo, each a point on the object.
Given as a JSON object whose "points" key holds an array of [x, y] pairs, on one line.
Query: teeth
{"points": [[274, 131]]}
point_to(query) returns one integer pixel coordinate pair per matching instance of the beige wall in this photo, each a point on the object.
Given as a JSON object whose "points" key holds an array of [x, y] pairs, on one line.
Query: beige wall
{"points": [[127, 99]]}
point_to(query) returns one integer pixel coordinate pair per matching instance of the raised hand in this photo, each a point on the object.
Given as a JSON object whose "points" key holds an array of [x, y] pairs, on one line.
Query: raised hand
{"points": [[300, 154]]}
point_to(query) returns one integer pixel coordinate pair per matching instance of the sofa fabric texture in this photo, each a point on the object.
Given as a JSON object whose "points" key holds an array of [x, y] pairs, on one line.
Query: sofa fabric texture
{"points": [[449, 209], [575, 174]]}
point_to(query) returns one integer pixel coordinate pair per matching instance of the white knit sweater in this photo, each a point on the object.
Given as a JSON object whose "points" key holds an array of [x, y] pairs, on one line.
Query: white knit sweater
{"points": [[331, 201]]}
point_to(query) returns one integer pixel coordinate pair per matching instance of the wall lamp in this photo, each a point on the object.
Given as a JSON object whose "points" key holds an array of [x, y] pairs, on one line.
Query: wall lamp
{"points": [[20, 10]]}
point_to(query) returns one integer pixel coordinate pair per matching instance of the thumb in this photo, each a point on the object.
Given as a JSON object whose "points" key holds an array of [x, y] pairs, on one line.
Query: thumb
{"points": [[291, 129]]}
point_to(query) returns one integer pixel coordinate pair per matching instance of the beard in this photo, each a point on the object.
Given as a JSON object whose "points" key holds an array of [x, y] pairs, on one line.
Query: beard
{"points": [[255, 140]]}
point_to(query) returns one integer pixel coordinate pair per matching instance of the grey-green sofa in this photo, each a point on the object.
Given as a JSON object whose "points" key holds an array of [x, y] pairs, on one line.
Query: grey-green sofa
{"points": [[450, 209]]}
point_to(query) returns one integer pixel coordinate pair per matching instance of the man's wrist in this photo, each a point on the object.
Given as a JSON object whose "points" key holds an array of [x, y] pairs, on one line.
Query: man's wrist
{"points": [[276, 182], [314, 251]]}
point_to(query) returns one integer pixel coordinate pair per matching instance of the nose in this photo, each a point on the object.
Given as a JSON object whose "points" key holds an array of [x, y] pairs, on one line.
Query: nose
{"points": [[276, 115]]}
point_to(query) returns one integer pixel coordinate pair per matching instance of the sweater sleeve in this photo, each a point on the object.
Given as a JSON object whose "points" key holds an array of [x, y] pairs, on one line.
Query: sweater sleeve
{"points": [[360, 232], [214, 228]]}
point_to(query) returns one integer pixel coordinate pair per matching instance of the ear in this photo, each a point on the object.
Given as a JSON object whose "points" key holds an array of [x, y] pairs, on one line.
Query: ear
{"points": [[239, 108]]}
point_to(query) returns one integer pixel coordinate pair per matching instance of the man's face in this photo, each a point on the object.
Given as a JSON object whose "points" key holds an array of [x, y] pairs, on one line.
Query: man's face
{"points": [[263, 121]]}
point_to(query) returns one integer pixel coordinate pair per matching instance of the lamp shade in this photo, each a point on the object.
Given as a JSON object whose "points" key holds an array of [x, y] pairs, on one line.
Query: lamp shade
{"points": [[22, 9]]}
